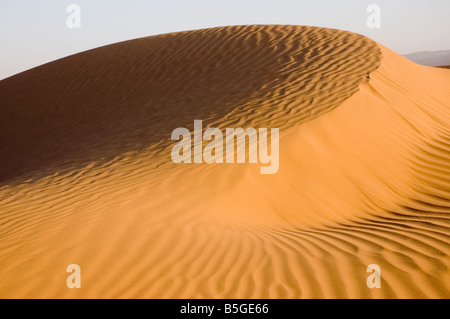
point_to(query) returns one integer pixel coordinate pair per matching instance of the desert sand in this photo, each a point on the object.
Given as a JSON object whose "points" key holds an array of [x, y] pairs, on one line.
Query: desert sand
{"points": [[364, 176]]}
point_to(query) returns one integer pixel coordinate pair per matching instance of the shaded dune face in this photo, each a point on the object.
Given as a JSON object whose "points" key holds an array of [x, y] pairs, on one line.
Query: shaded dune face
{"points": [[86, 175], [98, 104]]}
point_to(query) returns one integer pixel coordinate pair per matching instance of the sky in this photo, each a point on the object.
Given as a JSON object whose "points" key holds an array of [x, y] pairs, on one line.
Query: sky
{"points": [[36, 32]]}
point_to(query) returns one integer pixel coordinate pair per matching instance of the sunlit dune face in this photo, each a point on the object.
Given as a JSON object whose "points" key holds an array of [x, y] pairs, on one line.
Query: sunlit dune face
{"points": [[88, 180]]}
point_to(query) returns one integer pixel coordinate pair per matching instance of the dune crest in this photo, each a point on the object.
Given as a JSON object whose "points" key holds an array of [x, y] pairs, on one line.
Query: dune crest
{"points": [[364, 174]]}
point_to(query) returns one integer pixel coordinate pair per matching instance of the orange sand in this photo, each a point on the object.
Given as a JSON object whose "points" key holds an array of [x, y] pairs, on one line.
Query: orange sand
{"points": [[86, 176]]}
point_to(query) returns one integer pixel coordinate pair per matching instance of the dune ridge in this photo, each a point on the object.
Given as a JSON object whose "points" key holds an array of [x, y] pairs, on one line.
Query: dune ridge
{"points": [[364, 170]]}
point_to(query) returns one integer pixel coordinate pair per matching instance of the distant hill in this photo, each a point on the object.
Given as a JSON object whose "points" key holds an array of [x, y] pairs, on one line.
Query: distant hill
{"points": [[430, 58]]}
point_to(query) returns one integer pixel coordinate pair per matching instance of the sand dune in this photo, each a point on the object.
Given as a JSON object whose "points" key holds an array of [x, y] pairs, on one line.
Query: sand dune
{"points": [[86, 175]]}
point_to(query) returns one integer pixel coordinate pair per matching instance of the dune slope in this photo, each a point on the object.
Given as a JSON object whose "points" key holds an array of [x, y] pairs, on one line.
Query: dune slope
{"points": [[86, 175]]}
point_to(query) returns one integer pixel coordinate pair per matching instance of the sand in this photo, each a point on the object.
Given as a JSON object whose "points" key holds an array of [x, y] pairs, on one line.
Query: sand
{"points": [[86, 175]]}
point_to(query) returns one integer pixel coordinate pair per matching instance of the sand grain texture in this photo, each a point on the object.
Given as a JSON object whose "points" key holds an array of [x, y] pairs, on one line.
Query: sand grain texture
{"points": [[86, 175]]}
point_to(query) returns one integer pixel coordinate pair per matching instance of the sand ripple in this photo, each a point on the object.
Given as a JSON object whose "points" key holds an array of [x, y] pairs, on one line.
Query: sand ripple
{"points": [[86, 175]]}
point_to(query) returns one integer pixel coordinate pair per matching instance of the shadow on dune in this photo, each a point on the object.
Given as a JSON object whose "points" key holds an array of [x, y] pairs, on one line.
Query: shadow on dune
{"points": [[98, 104]]}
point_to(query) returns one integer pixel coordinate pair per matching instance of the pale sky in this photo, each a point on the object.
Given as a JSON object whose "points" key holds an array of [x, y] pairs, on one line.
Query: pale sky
{"points": [[35, 32]]}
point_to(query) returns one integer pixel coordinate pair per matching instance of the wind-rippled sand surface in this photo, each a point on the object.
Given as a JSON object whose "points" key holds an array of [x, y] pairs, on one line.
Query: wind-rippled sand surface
{"points": [[86, 175]]}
